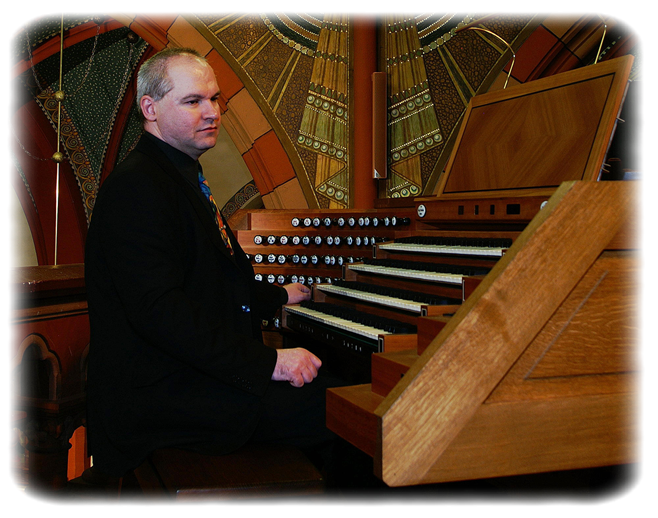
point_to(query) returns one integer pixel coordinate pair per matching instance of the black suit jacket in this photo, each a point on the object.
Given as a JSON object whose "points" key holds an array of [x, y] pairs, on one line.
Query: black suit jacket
{"points": [[176, 354]]}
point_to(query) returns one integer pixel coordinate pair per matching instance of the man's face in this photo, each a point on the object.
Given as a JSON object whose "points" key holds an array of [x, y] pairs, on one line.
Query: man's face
{"points": [[188, 117]]}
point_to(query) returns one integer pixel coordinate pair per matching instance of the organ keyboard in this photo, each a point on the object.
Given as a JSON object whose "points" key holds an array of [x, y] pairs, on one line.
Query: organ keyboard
{"points": [[422, 271], [405, 300], [344, 327], [451, 246]]}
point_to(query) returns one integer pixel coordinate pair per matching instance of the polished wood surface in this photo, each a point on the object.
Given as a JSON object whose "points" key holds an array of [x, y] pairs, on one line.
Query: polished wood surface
{"points": [[535, 371], [49, 280], [531, 138]]}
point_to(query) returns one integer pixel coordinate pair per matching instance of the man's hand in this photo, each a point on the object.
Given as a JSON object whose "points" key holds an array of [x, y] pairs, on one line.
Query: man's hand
{"points": [[297, 366], [297, 292]]}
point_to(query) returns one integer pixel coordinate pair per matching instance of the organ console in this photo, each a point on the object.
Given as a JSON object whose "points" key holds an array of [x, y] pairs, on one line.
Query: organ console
{"points": [[486, 329]]}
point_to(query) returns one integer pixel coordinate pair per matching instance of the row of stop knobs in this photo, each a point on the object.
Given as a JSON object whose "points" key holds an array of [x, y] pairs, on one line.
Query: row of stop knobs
{"points": [[351, 222], [290, 279], [306, 240], [303, 260]]}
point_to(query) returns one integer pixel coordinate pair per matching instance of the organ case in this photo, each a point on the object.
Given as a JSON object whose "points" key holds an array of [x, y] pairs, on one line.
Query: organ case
{"points": [[535, 371]]}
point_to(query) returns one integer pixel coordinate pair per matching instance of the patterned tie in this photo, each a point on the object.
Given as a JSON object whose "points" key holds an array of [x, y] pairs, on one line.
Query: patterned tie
{"points": [[205, 188]]}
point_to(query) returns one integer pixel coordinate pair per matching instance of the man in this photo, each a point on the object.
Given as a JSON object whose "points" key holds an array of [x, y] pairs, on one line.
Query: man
{"points": [[176, 355]]}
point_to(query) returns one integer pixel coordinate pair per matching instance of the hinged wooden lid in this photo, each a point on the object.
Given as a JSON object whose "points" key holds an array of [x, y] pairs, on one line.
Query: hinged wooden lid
{"points": [[528, 139]]}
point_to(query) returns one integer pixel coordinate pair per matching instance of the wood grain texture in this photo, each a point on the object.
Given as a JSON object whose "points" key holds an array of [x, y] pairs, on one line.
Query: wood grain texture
{"points": [[598, 317], [351, 410], [49, 280], [531, 437], [428, 328], [389, 368], [528, 139], [444, 389]]}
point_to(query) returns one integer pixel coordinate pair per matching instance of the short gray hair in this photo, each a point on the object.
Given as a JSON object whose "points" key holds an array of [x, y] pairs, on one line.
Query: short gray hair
{"points": [[152, 78]]}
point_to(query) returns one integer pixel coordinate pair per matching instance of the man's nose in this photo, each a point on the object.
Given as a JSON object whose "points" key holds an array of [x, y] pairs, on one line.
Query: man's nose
{"points": [[211, 110]]}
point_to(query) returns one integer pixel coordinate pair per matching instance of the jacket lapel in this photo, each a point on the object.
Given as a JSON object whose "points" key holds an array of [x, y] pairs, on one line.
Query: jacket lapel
{"points": [[151, 149]]}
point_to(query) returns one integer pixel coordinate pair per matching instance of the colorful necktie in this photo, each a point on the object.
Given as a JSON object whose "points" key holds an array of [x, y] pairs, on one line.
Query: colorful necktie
{"points": [[205, 188]]}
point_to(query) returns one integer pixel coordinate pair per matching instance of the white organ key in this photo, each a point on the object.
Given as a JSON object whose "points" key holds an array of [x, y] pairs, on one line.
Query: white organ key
{"points": [[451, 278], [445, 249], [384, 300], [337, 322]]}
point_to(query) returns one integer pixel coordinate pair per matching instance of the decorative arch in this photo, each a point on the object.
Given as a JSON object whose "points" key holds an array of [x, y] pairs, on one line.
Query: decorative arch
{"points": [[264, 153], [34, 358]]}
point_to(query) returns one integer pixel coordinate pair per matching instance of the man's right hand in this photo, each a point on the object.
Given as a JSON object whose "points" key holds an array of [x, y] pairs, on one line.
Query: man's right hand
{"points": [[296, 366]]}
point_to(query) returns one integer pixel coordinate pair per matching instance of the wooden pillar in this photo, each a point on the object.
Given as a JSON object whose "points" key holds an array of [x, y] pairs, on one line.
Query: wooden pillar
{"points": [[364, 48]]}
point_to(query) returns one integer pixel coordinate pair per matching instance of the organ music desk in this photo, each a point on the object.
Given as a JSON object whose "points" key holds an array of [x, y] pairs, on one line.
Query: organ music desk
{"points": [[529, 366]]}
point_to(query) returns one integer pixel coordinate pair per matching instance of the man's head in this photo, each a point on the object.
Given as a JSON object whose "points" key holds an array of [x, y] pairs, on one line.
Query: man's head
{"points": [[177, 94]]}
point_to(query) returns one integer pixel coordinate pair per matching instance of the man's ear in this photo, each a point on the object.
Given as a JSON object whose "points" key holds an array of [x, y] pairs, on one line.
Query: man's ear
{"points": [[148, 107]]}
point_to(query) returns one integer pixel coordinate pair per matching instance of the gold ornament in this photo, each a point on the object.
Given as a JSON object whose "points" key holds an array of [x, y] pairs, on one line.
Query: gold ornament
{"points": [[59, 96], [58, 157]]}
